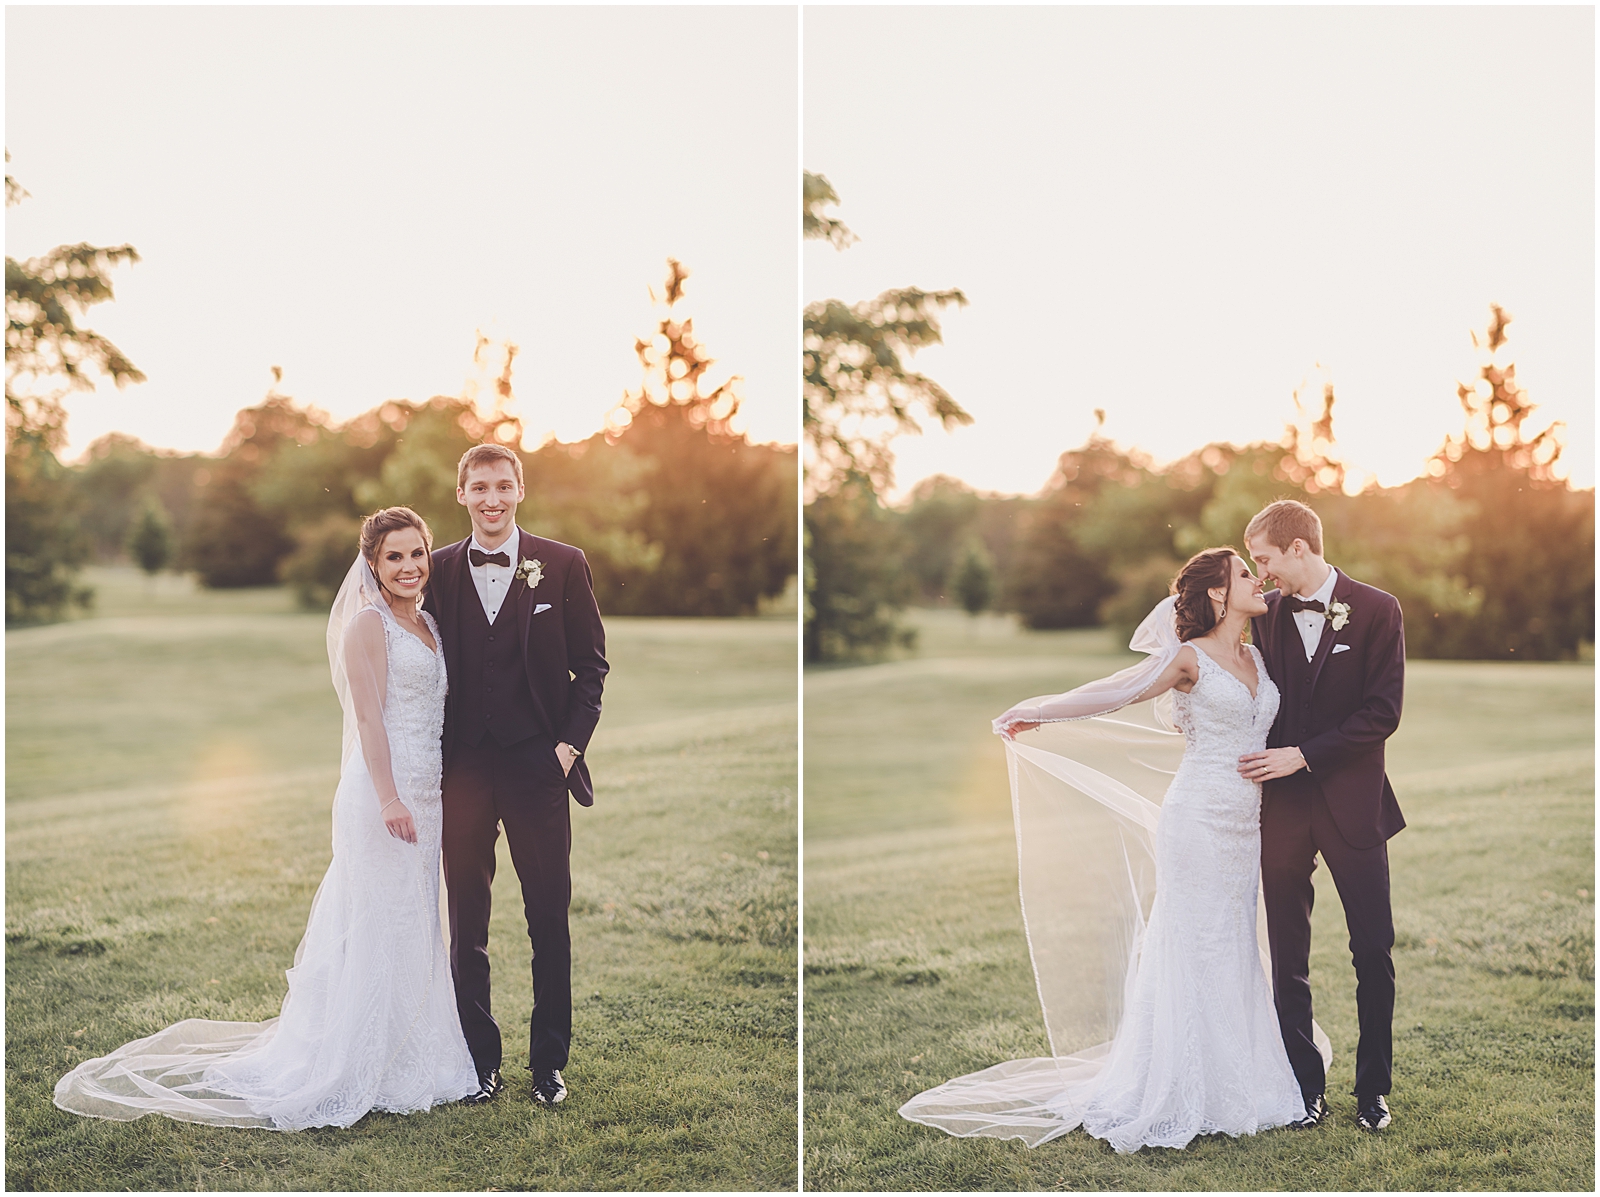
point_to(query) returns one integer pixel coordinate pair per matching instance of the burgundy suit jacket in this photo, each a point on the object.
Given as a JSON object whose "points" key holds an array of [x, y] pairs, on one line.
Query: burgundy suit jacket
{"points": [[1354, 706], [563, 640]]}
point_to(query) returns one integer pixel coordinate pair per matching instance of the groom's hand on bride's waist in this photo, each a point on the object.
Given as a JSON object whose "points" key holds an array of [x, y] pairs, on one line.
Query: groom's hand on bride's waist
{"points": [[1271, 763]]}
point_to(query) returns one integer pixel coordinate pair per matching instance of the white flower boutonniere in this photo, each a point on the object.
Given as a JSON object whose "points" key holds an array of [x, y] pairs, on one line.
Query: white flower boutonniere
{"points": [[531, 571], [1338, 614]]}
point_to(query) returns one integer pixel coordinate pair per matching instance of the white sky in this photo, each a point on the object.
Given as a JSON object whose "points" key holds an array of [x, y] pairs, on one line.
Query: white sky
{"points": [[1180, 215], [350, 193]]}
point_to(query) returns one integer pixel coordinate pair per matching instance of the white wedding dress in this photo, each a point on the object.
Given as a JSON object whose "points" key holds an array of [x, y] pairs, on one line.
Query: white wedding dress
{"points": [[370, 1021], [1142, 920]]}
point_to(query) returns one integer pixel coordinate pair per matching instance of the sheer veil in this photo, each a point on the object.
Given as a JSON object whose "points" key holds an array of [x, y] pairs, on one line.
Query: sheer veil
{"points": [[1086, 792], [355, 671]]}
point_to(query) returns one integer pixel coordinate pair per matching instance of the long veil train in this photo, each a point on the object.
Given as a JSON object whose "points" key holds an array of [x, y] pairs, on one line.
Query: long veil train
{"points": [[370, 1019], [1086, 792]]}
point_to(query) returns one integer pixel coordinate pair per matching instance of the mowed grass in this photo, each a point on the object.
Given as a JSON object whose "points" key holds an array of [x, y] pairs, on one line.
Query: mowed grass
{"points": [[917, 970], [170, 767]]}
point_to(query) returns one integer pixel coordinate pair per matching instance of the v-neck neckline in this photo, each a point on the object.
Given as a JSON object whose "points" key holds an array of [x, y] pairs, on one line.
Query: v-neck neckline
{"points": [[1255, 664], [432, 650]]}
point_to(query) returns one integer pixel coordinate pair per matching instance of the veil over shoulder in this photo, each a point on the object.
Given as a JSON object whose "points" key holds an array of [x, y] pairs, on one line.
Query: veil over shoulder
{"points": [[370, 1020], [1086, 793], [1157, 636]]}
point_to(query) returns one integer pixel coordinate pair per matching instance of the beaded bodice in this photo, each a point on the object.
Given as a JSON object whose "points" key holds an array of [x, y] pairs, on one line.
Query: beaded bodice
{"points": [[413, 712], [1220, 719]]}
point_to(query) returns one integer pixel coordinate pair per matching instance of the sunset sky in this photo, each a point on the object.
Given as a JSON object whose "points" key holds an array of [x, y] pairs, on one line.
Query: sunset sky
{"points": [[1183, 216], [351, 193]]}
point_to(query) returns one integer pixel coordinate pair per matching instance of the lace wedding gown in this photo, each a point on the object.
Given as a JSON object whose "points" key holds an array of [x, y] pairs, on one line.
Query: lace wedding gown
{"points": [[370, 1020], [1196, 1047]]}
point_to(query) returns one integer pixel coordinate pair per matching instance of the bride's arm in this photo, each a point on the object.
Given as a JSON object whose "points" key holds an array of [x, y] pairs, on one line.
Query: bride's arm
{"points": [[1181, 673], [366, 663], [1151, 679]]}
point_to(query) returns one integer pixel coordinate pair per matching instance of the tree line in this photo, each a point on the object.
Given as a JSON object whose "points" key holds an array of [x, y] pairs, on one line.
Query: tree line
{"points": [[678, 513], [1490, 553]]}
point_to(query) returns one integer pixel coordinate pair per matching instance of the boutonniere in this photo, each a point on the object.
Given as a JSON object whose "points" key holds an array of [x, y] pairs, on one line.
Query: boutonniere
{"points": [[1338, 614], [531, 570]]}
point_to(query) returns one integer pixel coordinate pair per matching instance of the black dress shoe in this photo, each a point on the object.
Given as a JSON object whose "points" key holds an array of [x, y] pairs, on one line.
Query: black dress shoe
{"points": [[1317, 1113], [548, 1087], [1372, 1113], [489, 1084]]}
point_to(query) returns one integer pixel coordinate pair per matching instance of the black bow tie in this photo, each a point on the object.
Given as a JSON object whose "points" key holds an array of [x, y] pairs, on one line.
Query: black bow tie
{"points": [[1298, 605], [477, 558]]}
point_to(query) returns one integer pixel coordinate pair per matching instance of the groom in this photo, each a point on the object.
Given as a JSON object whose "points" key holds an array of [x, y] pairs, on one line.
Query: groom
{"points": [[1336, 649], [525, 654]]}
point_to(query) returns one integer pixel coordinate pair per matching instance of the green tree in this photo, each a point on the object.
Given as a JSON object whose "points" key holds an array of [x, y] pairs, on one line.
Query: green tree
{"points": [[45, 540], [116, 472], [591, 493], [419, 469], [49, 355], [855, 579], [974, 583], [322, 554], [235, 539], [1528, 537], [1064, 566], [720, 508], [942, 517], [678, 513], [150, 541], [115, 477], [1411, 541], [858, 394]]}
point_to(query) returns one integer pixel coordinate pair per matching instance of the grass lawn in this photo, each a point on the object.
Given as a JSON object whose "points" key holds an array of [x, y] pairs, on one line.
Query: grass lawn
{"points": [[170, 767], [917, 970]]}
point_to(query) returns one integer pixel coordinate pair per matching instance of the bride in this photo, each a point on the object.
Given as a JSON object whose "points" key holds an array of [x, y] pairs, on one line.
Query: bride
{"points": [[1142, 919], [370, 1020]]}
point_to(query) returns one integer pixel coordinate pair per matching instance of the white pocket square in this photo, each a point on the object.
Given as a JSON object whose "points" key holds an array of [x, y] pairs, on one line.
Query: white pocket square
{"points": [[541, 607], [1341, 648]]}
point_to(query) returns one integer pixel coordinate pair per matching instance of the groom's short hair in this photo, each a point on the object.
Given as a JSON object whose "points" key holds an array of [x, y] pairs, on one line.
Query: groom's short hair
{"points": [[484, 454], [1282, 522]]}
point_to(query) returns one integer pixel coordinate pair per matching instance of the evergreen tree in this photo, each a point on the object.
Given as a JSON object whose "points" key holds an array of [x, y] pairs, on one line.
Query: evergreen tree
{"points": [[150, 541], [941, 519], [974, 581]]}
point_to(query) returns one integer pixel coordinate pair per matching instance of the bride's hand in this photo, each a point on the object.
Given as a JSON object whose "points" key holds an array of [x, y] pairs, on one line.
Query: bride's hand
{"points": [[398, 820], [1011, 731]]}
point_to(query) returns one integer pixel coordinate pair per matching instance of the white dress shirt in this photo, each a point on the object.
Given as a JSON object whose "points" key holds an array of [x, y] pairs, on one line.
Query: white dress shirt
{"points": [[1311, 623], [494, 581]]}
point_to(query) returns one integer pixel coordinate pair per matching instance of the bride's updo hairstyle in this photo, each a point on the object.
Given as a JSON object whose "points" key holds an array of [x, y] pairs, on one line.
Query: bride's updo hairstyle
{"points": [[1206, 570], [391, 519]]}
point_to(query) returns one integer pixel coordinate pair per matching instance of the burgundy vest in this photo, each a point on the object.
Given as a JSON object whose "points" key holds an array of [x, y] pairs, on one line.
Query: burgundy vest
{"points": [[491, 682], [1295, 692]]}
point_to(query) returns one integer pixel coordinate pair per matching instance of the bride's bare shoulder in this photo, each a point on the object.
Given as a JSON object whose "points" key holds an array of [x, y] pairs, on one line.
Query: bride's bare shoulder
{"points": [[1185, 667], [365, 628]]}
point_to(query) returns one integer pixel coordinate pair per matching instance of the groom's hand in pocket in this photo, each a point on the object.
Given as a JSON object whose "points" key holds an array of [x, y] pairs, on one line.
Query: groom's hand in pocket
{"points": [[1270, 763], [567, 755]]}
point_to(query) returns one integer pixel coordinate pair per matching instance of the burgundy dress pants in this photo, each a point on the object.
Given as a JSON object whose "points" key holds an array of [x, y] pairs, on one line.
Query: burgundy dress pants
{"points": [[520, 788], [1295, 826]]}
